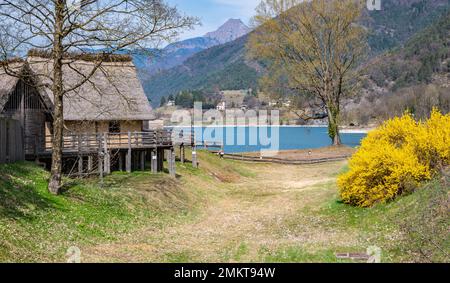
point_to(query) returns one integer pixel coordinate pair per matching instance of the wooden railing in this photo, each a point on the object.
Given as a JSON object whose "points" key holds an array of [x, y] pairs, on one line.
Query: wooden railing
{"points": [[184, 137], [98, 142]]}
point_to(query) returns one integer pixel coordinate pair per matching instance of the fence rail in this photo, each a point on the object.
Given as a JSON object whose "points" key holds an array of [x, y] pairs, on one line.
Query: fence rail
{"points": [[86, 143], [11, 141]]}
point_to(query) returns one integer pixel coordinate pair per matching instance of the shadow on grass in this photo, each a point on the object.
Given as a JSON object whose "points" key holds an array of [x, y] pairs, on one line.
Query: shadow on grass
{"points": [[22, 191]]}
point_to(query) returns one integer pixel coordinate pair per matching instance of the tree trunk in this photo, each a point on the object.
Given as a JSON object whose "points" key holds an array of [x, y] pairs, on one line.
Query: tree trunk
{"points": [[333, 124], [58, 117]]}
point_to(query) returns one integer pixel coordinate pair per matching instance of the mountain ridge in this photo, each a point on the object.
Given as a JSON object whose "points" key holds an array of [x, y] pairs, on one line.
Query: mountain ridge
{"points": [[176, 53], [229, 31]]}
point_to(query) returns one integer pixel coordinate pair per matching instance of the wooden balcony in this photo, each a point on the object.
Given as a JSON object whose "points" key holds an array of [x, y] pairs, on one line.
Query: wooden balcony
{"points": [[94, 143]]}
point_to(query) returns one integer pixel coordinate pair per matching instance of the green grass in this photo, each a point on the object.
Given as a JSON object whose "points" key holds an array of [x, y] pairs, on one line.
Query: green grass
{"points": [[297, 254], [36, 226], [412, 228]]}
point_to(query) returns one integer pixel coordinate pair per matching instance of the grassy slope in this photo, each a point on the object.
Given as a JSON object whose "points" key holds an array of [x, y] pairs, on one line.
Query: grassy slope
{"points": [[37, 226], [225, 211]]}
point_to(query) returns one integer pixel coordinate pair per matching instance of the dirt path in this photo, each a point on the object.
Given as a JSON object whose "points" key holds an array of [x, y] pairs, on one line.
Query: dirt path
{"points": [[252, 217]]}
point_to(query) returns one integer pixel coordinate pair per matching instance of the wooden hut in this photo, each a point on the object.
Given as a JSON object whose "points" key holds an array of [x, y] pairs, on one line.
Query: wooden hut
{"points": [[22, 102], [104, 119]]}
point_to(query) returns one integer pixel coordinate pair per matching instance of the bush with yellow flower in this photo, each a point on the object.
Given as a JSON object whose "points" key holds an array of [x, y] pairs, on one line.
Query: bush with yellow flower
{"points": [[395, 159]]}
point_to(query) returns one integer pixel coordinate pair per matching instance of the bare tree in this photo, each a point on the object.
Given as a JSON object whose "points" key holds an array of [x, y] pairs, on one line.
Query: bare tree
{"points": [[313, 45], [82, 26]]}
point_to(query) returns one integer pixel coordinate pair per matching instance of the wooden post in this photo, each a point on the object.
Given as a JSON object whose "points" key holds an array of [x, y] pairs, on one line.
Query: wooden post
{"points": [[171, 159], [154, 162], [107, 155], [182, 153], [120, 161], [100, 165], [90, 164], [128, 158], [194, 157], [160, 160], [142, 160], [3, 141], [80, 165]]}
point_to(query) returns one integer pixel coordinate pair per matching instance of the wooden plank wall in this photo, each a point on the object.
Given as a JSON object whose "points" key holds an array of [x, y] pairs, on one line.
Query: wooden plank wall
{"points": [[11, 141]]}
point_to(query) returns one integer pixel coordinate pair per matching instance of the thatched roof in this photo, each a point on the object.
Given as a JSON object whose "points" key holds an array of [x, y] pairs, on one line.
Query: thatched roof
{"points": [[114, 92], [89, 57], [8, 82]]}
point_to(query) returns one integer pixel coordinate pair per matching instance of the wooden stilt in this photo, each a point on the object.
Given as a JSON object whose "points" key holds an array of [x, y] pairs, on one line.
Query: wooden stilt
{"points": [[160, 160], [107, 161], [90, 164], [100, 165], [128, 158], [120, 161], [142, 159], [80, 165], [171, 159], [194, 157], [154, 163], [182, 154]]}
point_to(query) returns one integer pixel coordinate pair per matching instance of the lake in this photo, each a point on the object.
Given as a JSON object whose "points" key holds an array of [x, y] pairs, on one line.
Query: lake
{"points": [[254, 139]]}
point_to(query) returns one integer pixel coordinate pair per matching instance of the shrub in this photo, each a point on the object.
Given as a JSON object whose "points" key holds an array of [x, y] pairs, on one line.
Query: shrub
{"points": [[395, 159]]}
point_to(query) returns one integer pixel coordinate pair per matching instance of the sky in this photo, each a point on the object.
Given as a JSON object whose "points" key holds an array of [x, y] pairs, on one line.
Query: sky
{"points": [[214, 13]]}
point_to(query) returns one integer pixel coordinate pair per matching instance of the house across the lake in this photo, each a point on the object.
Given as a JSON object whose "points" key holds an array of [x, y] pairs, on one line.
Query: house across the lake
{"points": [[105, 118]]}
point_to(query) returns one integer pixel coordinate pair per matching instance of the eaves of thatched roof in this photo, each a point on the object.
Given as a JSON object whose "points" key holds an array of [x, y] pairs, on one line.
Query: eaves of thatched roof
{"points": [[8, 82], [114, 91]]}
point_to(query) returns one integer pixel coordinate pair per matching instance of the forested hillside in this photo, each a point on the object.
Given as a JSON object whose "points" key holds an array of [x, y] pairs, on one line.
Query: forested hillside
{"points": [[412, 78], [222, 67], [226, 67], [425, 54]]}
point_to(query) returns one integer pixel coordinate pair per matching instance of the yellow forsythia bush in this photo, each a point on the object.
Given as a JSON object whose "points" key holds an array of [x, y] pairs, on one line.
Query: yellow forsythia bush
{"points": [[396, 158]]}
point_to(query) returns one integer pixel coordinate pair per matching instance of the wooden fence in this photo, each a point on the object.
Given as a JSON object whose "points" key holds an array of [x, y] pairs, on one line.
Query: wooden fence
{"points": [[247, 158], [11, 141]]}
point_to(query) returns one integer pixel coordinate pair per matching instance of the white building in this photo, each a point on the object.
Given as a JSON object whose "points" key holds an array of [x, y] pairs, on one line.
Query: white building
{"points": [[222, 106]]}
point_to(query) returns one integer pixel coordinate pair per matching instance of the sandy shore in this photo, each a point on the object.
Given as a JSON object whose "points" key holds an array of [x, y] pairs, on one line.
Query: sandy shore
{"points": [[309, 154]]}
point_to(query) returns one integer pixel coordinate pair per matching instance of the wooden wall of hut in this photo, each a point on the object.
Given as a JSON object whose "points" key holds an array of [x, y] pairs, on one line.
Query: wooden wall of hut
{"points": [[11, 141], [26, 106]]}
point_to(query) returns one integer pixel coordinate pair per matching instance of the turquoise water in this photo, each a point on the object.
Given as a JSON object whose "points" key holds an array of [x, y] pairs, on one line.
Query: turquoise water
{"points": [[254, 139]]}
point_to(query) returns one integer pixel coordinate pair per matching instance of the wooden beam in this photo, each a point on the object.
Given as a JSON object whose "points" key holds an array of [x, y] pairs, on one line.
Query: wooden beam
{"points": [[120, 161], [142, 159], [107, 155], [80, 165], [100, 164], [154, 162], [160, 159], [194, 157], [128, 157], [182, 154], [172, 163], [3, 141], [90, 163]]}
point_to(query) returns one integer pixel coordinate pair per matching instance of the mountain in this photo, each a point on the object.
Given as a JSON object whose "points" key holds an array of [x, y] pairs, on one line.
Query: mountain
{"points": [[171, 56], [176, 53], [231, 30], [222, 67], [225, 66]]}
